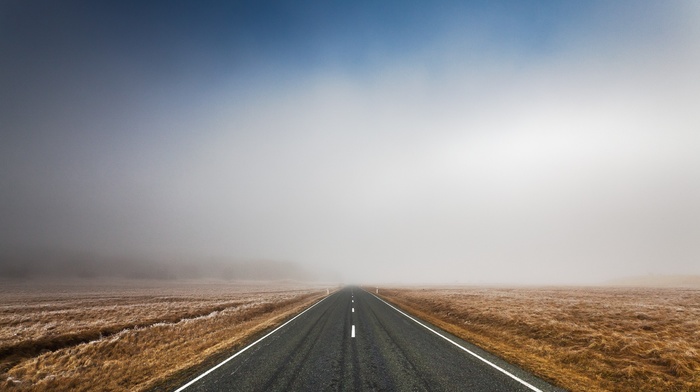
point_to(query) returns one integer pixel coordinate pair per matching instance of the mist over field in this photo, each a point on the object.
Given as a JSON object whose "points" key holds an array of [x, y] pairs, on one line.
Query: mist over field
{"points": [[399, 142]]}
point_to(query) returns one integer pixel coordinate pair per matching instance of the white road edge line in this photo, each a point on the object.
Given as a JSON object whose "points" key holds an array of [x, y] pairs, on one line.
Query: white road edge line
{"points": [[500, 369], [352, 334], [246, 348]]}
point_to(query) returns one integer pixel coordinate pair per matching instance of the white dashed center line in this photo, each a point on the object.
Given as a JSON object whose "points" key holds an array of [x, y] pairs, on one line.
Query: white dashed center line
{"points": [[353, 310], [352, 333]]}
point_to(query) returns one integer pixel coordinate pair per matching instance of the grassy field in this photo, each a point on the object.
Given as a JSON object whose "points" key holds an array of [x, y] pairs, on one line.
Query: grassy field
{"points": [[583, 339], [130, 335]]}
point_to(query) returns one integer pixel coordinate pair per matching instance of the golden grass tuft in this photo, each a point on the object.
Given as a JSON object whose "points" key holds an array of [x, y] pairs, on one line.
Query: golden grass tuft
{"points": [[582, 339]]}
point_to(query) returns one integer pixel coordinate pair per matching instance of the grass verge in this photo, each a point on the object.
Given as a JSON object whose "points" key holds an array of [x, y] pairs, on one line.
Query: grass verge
{"points": [[132, 338], [582, 339]]}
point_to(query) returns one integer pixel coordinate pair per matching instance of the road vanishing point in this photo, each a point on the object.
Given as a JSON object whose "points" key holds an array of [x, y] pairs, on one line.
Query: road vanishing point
{"points": [[354, 341]]}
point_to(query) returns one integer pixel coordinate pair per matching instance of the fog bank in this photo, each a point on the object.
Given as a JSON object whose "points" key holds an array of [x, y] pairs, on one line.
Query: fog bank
{"points": [[411, 143]]}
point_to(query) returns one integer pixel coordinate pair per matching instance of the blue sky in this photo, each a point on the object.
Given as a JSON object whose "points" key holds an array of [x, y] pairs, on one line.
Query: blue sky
{"points": [[497, 142]]}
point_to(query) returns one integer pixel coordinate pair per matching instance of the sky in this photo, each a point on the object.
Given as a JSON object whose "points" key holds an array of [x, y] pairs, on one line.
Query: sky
{"points": [[474, 142]]}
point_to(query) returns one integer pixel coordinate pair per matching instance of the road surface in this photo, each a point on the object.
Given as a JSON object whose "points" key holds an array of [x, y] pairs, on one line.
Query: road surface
{"points": [[353, 341]]}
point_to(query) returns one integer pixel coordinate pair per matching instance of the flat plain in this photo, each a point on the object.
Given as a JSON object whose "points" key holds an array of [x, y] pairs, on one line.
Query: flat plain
{"points": [[115, 336], [143, 336], [582, 339]]}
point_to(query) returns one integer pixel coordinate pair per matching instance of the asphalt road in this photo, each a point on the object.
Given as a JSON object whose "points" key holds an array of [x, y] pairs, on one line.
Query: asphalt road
{"points": [[389, 351]]}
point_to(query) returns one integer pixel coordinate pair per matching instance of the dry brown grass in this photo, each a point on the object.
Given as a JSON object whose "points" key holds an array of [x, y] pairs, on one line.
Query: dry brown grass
{"points": [[130, 336], [582, 339]]}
